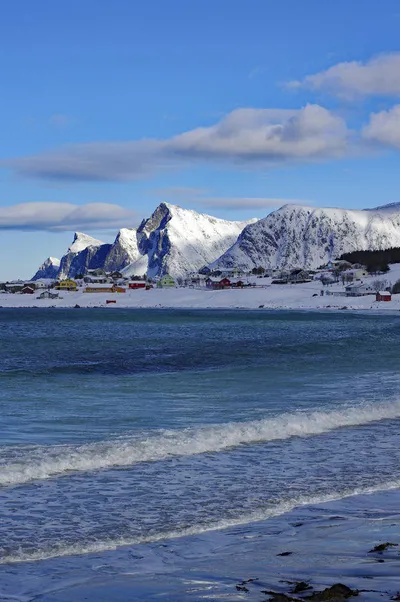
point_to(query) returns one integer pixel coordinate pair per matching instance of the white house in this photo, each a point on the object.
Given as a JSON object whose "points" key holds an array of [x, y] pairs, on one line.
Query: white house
{"points": [[48, 295], [359, 290], [354, 274]]}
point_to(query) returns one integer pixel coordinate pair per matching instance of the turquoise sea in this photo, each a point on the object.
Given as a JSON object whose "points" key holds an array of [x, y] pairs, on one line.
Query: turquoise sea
{"points": [[130, 426]]}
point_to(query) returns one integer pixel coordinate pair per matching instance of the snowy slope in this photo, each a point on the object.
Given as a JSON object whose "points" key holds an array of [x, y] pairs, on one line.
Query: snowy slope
{"points": [[178, 241], [82, 241], [48, 269], [299, 236]]}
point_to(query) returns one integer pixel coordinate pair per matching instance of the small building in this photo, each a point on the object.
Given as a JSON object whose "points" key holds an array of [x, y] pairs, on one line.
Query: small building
{"points": [[48, 295], [13, 287], [299, 276], [218, 284], [224, 283], [137, 284], [384, 296], [41, 283], [95, 279], [231, 272], [95, 272], [105, 288], [116, 275], [28, 290], [359, 290], [166, 281], [354, 274], [211, 282], [66, 285]]}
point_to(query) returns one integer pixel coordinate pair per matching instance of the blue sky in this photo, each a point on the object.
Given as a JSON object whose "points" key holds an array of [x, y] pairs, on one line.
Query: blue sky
{"points": [[229, 107]]}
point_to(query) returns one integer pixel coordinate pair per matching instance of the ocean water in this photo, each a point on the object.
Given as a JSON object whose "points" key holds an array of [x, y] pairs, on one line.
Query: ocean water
{"points": [[128, 427]]}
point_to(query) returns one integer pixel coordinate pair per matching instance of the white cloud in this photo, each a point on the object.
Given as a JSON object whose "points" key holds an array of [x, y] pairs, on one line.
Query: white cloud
{"points": [[267, 135], [380, 76], [384, 127], [65, 216], [262, 137]]}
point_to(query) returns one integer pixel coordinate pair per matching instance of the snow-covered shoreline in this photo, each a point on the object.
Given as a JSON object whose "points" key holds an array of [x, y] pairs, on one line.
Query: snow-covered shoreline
{"points": [[274, 296]]}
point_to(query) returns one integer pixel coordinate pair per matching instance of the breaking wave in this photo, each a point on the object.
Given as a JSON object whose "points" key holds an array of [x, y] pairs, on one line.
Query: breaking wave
{"points": [[46, 462], [60, 549]]}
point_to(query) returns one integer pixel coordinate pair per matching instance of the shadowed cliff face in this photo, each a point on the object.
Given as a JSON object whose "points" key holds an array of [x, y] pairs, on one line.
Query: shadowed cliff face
{"points": [[88, 259], [123, 251]]}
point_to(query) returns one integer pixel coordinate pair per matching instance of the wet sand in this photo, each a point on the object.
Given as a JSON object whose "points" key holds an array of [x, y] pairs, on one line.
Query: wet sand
{"points": [[321, 545]]}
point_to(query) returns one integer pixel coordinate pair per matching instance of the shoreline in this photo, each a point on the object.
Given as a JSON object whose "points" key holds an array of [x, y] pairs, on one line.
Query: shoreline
{"points": [[319, 544], [272, 298]]}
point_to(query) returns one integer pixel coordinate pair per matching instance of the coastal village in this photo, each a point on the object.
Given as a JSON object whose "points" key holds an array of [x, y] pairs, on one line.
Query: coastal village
{"points": [[336, 279]]}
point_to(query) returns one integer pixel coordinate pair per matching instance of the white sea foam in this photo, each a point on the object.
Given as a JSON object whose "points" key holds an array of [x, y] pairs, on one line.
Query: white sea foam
{"points": [[53, 461], [81, 548]]}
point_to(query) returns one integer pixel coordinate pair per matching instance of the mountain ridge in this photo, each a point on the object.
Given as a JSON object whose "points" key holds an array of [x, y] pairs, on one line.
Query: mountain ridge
{"points": [[172, 240], [307, 237]]}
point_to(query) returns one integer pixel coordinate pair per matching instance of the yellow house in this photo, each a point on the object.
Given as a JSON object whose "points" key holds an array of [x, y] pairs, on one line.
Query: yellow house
{"points": [[66, 285]]}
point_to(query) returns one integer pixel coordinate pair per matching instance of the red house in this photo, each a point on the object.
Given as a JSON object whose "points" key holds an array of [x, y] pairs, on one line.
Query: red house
{"points": [[28, 290], [224, 283], [137, 285], [384, 296]]}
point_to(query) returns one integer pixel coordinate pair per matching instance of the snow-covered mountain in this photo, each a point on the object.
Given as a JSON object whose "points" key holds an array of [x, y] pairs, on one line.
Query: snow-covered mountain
{"points": [[84, 252], [299, 236], [48, 269], [123, 251], [178, 241], [173, 240]]}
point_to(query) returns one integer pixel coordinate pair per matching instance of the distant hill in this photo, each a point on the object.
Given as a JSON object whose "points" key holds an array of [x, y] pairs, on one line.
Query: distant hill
{"points": [[307, 237]]}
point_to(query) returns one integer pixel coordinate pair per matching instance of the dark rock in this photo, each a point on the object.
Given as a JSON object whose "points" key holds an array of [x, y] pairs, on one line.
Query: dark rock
{"points": [[336, 593], [285, 554], [301, 586], [275, 597], [77, 306], [383, 546], [242, 588], [260, 306]]}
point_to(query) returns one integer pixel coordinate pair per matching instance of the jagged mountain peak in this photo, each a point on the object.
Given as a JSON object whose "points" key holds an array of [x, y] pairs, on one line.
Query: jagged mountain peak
{"points": [[82, 241], [175, 240], [48, 269]]}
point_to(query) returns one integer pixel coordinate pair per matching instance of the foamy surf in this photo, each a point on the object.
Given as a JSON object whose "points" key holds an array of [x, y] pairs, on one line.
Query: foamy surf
{"points": [[100, 546], [47, 462]]}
